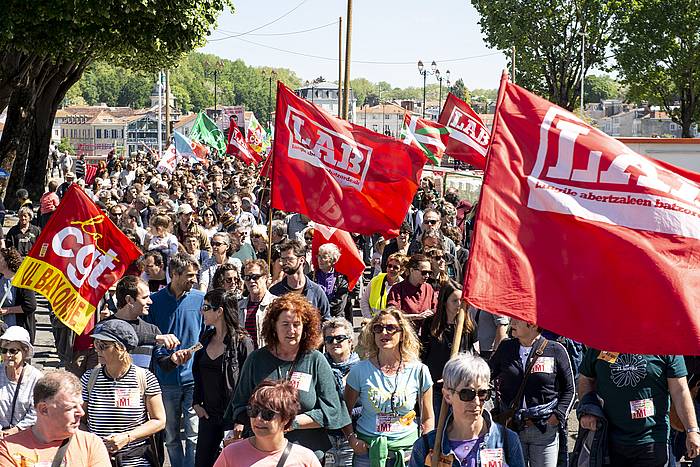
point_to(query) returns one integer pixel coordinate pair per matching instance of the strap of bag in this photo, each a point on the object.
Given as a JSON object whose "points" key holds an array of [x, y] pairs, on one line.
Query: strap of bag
{"points": [[521, 390], [61, 453], [14, 397], [285, 454]]}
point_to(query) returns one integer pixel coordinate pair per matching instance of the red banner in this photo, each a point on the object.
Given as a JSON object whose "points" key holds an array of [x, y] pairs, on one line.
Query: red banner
{"points": [[350, 263], [577, 233], [339, 174], [78, 256], [238, 146], [469, 137]]}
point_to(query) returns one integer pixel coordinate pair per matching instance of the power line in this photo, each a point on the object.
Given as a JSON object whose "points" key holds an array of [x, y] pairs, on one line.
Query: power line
{"points": [[271, 33], [266, 24]]}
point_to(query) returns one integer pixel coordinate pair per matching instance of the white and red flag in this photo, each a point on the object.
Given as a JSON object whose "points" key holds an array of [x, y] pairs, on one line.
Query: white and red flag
{"points": [[238, 146], [469, 137], [577, 233], [350, 263], [429, 137], [339, 174]]}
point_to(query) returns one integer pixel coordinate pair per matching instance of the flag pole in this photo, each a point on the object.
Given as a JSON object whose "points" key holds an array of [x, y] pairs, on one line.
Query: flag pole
{"points": [[348, 39], [272, 184], [340, 66], [456, 343]]}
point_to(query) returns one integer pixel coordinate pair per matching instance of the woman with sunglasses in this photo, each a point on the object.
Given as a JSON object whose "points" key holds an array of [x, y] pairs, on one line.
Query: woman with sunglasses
{"points": [[215, 369], [338, 345], [271, 411], [415, 297], [374, 296], [228, 278], [333, 283], [221, 254], [548, 393], [292, 332], [389, 382], [209, 222], [253, 307], [17, 381], [20, 304], [470, 436]]}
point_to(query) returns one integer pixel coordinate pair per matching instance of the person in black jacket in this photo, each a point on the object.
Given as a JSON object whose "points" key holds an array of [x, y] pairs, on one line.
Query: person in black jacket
{"points": [[215, 370], [548, 394], [19, 304], [333, 283]]}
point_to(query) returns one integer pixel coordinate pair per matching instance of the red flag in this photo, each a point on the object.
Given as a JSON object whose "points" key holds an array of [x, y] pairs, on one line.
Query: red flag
{"points": [[350, 262], [90, 173], [577, 233], [239, 147], [339, 174], [265, 169], [469, 137], [78, 256]]}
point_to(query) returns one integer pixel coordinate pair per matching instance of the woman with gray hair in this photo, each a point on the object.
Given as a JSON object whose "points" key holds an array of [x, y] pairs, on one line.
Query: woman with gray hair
{"points": [[333, 283], [469, 436]]}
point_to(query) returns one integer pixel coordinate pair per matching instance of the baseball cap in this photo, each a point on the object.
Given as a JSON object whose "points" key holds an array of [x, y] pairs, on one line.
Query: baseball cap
{"points": [[116, 330], [184, 209]]}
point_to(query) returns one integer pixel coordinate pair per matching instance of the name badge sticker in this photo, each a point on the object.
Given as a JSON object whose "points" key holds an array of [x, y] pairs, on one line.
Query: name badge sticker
{"points": [[610, 357], [642, 409], [302, 381], [544, 365], [491, 457], [128, 398]]}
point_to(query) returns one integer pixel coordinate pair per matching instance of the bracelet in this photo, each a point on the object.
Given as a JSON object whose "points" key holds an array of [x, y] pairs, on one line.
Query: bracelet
{"points": [[692, 429]]}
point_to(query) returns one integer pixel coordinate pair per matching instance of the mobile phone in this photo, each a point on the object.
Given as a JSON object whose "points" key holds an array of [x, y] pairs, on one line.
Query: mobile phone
{"points": [[195, 347]]}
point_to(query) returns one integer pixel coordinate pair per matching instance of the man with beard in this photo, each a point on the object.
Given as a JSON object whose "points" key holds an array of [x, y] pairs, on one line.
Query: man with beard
{"points": [[293, 258]]}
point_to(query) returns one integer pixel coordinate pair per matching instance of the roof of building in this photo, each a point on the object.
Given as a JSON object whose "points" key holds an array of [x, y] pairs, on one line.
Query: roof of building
{"points": [[386, 108], [184, 120], [326, 85]]}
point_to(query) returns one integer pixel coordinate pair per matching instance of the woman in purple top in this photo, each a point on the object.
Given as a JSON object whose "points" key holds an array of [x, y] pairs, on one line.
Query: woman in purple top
{"points": [[333, 283]]}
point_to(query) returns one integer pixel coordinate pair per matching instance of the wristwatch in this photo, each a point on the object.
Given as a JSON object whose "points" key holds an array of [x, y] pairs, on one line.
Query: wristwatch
{"points": [[692, 429]]}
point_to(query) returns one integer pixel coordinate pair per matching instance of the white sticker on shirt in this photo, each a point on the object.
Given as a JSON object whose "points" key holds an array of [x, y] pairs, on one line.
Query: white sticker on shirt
{"points": [[126, 398], [302, 381], [543, 365], [491, 457], [385, 422], [642, 409]]}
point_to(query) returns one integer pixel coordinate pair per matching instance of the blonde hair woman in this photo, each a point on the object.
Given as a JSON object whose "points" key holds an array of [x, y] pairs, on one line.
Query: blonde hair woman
{"points": [[388, 383]]}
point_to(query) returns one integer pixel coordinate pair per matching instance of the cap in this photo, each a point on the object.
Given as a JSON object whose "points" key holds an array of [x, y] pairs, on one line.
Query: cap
{"points": [[116, 330], [18, 334], [184, 209], [69, 175]]}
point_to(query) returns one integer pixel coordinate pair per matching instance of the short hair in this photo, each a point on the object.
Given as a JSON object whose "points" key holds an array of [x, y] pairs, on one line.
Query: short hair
{"points": [[279, 227], [339, 323], [409, 345], [295, 246], [12, 258], [127, 287], [415, 260], [180, 262], [429, 210], [261, 263], [25, 210], [55, 381], [22, 193], [467, 369], [52, 186], [405, 228], [259, 231], [161, 220], [310, 318], [157, 257], [398, 257], [280, 396], [330, 248]]}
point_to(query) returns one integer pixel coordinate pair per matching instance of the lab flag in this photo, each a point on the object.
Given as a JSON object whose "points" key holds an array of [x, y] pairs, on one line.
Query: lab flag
{"points": [[257, 137], [76, 259], [204, 130], [339, 174], [579, 234], [192, 151], [239, 147], [469, 137], [168, 162], [350, 263], [429, 137]]}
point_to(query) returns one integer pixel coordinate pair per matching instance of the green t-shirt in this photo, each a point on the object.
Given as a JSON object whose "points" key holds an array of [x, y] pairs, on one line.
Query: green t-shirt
{"points": [[635, 393]]}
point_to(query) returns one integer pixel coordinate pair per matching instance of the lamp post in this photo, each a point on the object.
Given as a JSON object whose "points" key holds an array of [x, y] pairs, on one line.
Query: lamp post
{"points": [[379, 90], [273, 75], [440, 78], [214, 70], [425, 72]]}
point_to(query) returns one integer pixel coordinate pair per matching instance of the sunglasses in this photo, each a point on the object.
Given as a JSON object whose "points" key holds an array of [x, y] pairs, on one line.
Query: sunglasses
{"points": [[393, 267], [230, 280], [252, 277], [266, 414], [431, 221], [207, 307], [335, 339], [468, 395], [4, 350], [437, 257], [389, 328], [218, 244], [425, 273], [100, 345]]}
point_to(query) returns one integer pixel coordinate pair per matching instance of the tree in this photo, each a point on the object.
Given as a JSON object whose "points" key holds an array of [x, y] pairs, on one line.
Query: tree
{"points": [[460, 90], [659, 57], [363, 87], [547, 37], [597, 88]]}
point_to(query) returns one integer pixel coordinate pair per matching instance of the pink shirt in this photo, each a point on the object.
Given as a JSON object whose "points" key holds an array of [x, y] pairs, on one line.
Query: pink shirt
{"points": [[242, 453]]}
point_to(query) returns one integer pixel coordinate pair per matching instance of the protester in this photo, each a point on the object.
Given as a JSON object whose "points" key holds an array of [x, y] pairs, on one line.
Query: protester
{"points": [[397, 245], [414, 296], [17, 380], [23, 235], [19, 305], [186, 226], [470, 436], [333, 283], [375, 295], [491, 330], [292, 331], [48, 203], [253, 308], [221, 254], [55, 437], [192, 246], [162, 240], [154, 273], [210, 222], [259, 240], [389, 383]]}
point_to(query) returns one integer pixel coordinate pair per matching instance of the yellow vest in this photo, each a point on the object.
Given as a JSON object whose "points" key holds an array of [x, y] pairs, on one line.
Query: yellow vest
{"points": [[377, 299]]}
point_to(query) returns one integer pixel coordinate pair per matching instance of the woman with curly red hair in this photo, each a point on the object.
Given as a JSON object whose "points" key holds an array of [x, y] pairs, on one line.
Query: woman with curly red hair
{"points": [[292, 333]]}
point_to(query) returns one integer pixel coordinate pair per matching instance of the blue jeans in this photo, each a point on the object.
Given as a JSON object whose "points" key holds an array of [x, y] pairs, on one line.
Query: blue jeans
{"points": [[540, 449], [178, 404], [340, 454]]}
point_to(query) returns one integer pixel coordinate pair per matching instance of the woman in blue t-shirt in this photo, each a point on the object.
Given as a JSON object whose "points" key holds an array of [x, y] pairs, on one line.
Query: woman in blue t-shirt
{"points": [[389, 382]]}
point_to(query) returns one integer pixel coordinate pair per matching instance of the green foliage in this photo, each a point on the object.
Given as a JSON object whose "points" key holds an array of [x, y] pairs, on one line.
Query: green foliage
{"points": [[362, 88], [460, 90], [65, 146], [597, 88]]}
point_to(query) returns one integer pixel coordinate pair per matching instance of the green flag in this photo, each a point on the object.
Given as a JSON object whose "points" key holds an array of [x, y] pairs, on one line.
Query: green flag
{"points": [[205, 131]]}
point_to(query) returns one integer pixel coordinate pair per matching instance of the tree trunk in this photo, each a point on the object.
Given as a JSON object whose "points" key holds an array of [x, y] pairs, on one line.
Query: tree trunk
{"points": [[14, 145]]}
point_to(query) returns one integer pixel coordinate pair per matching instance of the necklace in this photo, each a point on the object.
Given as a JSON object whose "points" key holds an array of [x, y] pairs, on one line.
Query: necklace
{"points": [[392, 401]]}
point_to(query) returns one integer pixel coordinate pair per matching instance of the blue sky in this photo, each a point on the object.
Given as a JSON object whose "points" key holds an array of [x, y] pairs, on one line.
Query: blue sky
{"points": [[388, 31]]}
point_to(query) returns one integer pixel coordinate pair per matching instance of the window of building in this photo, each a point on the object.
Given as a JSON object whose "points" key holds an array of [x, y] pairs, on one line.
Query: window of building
{"points": [[115, 134], [98, 133]]}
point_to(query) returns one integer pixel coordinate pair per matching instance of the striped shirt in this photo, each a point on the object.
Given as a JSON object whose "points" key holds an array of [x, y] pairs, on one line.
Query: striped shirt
{"points": [[25, 415], [116, 406]]}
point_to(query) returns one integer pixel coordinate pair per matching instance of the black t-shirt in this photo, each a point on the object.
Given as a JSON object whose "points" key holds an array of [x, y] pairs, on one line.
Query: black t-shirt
{"points": [[215, 402]]}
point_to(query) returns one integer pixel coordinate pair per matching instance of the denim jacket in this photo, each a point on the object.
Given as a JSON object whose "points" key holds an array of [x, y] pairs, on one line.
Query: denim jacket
{"points": [[493, 439]]}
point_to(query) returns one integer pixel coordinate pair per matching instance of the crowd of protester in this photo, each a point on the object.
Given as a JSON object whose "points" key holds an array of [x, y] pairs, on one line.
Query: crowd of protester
{"points": [[229, 344]]}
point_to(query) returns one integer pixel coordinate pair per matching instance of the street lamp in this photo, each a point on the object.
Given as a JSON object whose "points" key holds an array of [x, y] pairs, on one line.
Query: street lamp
{"points": [[379, 86], [214, 70], [273, 75], [440, 78], [425, 72]]}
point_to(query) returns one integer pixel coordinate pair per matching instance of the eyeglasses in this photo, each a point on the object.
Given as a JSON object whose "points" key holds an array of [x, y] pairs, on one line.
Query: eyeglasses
{"points": [[5, 350], [207, 307], [393, 267], [288, 259], [468, 394], [252, 277], [230, 280], [437, 256], [425, 273], [218, 244], [101, 345], [266, 414], [430, 221], [335, 339], [389, 328], [117, 213]]}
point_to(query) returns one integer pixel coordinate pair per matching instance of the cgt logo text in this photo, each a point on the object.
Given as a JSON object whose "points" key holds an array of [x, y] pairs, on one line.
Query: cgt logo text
{"points": [[345, 159], [86, 262]]}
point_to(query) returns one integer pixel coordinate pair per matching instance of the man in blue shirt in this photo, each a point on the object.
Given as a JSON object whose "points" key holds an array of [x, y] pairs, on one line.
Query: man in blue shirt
{"points": [[176, 310]]}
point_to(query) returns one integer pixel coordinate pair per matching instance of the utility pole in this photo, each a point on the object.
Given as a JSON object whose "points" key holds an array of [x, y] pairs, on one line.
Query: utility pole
{"points": [[167, 106], [512, 64], [160, 112], [583, 69], [340, 66], [348, 41]]}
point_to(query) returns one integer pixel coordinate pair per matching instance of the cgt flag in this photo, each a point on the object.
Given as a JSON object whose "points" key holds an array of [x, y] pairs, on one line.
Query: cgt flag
{"points": [[350, 263], [469, 137], [577, 233], [339, 174], [78, 256]]}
